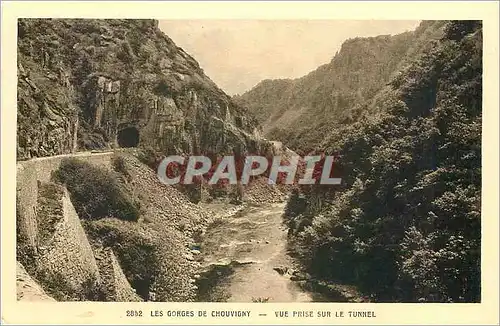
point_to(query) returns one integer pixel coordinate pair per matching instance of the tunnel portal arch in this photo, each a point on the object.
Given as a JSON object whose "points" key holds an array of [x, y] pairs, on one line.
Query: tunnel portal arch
{"points": [[128, 137]]}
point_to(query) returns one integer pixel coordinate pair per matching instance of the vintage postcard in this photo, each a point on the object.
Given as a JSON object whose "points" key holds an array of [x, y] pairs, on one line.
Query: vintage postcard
{"points": [[250, 163]]}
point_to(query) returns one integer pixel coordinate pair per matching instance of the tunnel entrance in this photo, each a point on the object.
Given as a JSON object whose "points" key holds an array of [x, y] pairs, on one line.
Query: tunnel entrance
{"points": [[128, 137]]}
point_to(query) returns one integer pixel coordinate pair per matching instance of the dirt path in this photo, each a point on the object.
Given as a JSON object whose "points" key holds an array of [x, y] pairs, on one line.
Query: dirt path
{"points": [[252, 243]]}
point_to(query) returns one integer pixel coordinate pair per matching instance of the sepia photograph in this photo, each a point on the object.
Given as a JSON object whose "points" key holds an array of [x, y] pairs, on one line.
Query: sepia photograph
{"points": [[102, 101], [238, 169]]}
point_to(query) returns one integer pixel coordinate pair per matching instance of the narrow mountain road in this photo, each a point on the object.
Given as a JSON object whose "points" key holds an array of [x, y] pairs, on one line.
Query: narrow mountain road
{"points": [[252, 243]]}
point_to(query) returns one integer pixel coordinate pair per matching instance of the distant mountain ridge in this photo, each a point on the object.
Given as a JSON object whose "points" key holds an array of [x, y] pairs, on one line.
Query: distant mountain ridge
{"points": [[300, 111]]}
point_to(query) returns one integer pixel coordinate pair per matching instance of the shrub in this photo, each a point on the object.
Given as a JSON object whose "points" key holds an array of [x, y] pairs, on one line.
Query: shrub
{"points": [[96, 192], [149, 156], [120, 166], [57, 287]]}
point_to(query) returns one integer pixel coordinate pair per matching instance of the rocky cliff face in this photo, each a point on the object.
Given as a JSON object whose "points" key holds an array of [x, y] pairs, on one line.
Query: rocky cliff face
{"points": [[88, 84], [300, 112]]}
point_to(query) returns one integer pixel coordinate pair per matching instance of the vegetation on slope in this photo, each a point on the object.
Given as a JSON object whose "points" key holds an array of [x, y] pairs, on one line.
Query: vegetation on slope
{"points": [[300, 112], [406, 223], [147, 225]]}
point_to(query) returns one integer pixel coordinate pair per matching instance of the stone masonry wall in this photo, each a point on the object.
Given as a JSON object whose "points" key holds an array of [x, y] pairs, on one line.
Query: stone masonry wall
{"points": [[29, 173], [68, 254], [123, 290], [114, 283]]}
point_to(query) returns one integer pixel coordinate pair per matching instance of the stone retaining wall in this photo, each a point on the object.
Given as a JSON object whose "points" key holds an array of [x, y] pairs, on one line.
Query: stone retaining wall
{"points": [[29, 173], [68, 254], [27, 288]]}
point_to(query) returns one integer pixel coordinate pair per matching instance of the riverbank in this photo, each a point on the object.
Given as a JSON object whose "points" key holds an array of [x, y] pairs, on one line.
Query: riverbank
{"points": [[239, 256]]}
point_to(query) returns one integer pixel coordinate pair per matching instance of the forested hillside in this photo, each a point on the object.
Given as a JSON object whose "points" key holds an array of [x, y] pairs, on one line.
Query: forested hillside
{"points": [[406, 223], [300, 112]]}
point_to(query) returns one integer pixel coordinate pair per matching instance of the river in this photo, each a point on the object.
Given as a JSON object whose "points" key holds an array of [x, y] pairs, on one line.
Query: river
{"points": [[240, 254]]}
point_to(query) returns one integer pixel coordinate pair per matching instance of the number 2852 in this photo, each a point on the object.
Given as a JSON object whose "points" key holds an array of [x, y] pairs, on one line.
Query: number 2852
{"points": [[134, 313]]}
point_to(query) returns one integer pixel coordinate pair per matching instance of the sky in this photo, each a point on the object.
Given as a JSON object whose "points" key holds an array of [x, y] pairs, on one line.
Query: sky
{"points": [[238, 54]]}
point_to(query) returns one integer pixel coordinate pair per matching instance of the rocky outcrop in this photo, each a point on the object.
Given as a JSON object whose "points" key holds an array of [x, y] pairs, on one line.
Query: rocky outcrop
{"points": [[47, 119], [118, 83]]}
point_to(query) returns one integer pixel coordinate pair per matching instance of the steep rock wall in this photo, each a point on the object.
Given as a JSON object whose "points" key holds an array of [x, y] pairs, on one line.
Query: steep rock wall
{"points": [[85, 82]]}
